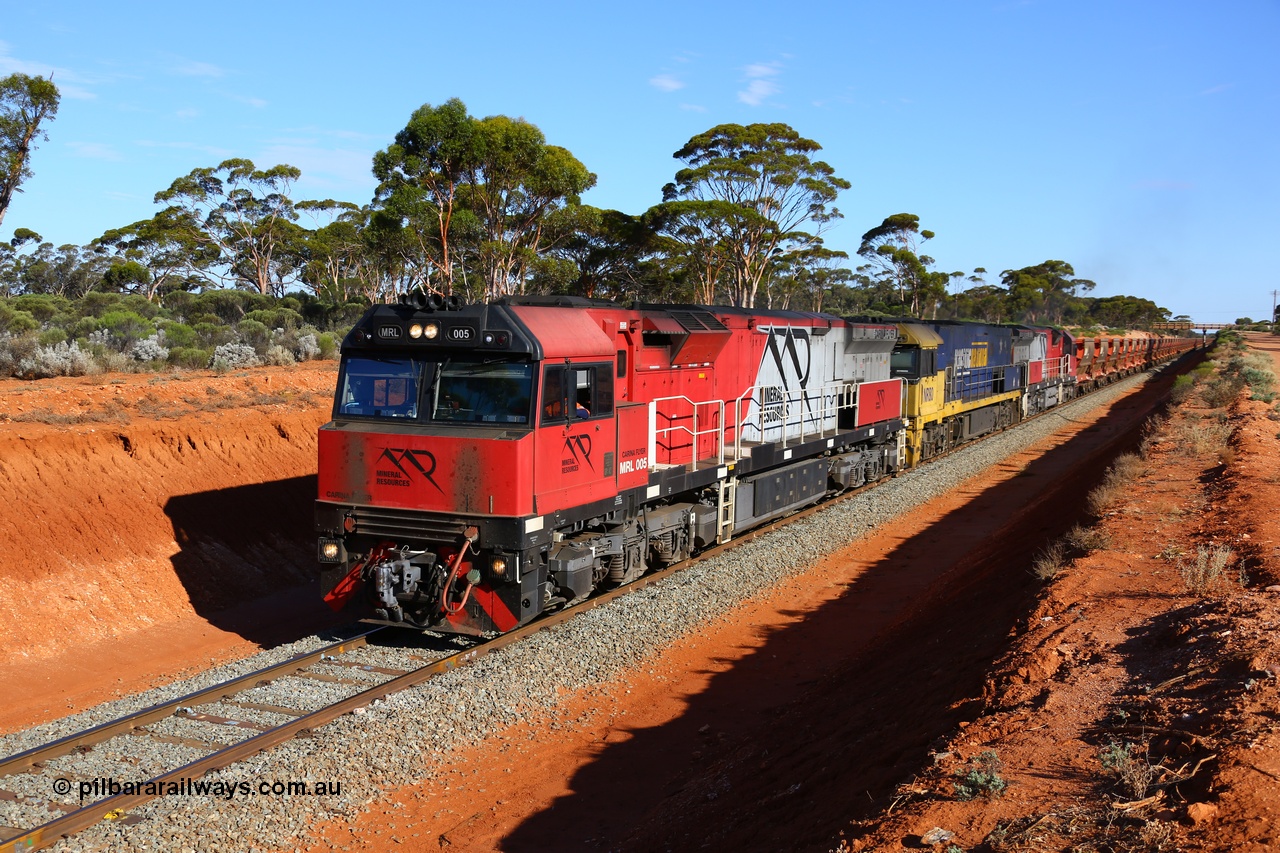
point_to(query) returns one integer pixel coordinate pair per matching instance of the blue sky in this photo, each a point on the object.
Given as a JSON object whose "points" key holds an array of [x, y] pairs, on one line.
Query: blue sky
{"points": [[1137, 141]]}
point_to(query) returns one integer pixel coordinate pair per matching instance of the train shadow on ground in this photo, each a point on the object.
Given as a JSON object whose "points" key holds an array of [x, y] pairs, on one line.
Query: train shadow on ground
{"points": [[247, 559], [816, 725]]}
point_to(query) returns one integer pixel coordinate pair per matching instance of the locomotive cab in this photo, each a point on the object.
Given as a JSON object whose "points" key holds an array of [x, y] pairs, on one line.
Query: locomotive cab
{"points": [[433, 413], [456, 436]]}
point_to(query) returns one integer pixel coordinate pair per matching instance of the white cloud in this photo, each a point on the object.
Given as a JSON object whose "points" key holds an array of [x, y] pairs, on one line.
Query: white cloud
{"points": [[321, 167], [757, 91], [94, 151], [63, 78], [1217, 90], [693, 108], [257, 103], [189, 112], [666, 82], [73, 92], [763, 69], [194, 68], [760, 86], [211, 150]]}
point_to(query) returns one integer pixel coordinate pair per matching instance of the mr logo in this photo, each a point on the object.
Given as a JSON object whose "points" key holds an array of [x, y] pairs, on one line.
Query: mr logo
{"points": [[405, 461], [579, 450]]}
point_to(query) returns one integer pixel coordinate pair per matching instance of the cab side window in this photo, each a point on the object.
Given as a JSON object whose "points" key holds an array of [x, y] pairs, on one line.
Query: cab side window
{"points": [[577, 391], [553, 394]]}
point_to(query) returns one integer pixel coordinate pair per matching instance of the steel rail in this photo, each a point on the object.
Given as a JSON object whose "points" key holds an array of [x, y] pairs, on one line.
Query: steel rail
{"points": [[105, 731]]}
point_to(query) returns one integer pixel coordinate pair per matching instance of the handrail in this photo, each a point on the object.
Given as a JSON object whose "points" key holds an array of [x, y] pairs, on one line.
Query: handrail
{"points": [[816, 409], [717, 429]]}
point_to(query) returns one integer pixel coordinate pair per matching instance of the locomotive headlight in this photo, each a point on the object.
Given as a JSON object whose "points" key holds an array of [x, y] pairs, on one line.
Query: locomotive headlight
{"points": [[330, 551], [499, 566], [415, 331], [430, 331]]}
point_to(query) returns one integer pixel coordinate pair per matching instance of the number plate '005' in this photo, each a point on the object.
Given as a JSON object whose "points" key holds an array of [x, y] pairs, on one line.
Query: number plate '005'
{"points": [[461, 333]]}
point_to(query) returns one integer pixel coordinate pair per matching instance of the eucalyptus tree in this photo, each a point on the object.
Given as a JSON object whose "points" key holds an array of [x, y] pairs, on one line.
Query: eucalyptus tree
{"points": [[820, 273], [986, 302], [168, 245], [246, 216], [697, 234], [748, 195], [893, 248], [66, 270], [336, 264], [1043, 292], [515, 187], [420, 175], [1131, 312], [13, 255], [459, 194], [607, 248], [26, 103]]}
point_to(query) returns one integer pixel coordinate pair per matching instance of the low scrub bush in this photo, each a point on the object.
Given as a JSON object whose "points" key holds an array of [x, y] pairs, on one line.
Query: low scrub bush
{"points": [[62, 359], [150, 349], [1087, 539], [1182, 389], [233, 357], [1126, 468], [191, 358], [115, 332], [1204, 437], [1221, 391], [1205, 574], [328, 346], [1133, 774], [278, 356], [983, 778]]}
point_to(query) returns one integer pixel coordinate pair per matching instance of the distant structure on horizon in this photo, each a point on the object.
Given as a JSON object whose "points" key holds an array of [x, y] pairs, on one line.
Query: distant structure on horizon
{"points": [[1188, 325]]}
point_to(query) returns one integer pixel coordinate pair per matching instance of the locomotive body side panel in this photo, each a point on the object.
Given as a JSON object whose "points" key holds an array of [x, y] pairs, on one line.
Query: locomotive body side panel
{"points": [[395, 467]]}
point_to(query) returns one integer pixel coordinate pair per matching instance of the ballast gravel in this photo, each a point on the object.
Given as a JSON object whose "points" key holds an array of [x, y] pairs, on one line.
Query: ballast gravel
{"points": [[409, 736]]}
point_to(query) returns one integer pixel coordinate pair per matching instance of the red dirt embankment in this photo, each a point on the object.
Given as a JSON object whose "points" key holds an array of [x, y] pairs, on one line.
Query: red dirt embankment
{"points": [[154, 502]]}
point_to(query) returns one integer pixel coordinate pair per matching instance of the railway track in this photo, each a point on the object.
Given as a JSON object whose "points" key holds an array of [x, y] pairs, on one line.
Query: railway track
{"points": [[38, 768]]}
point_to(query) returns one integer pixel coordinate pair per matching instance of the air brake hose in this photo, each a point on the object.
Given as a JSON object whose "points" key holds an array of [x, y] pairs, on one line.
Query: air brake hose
{"points": [[450, 609]]}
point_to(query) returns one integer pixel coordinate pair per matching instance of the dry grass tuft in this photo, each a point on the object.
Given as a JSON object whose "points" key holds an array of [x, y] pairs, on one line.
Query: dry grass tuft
{"points": [[1050, 561], [1204, 437], [1087, 539], [1126, 468]]}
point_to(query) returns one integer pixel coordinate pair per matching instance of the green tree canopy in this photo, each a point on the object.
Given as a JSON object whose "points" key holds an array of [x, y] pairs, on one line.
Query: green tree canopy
{"points": [[892, 248], [168, 245], [745, 198], [25, 104], [246, 215], [458, 192], [1043, 292]]}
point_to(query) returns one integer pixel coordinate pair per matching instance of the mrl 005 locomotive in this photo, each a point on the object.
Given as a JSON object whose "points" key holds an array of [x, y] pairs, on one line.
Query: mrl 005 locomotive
{"points": [[491, 462]]}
